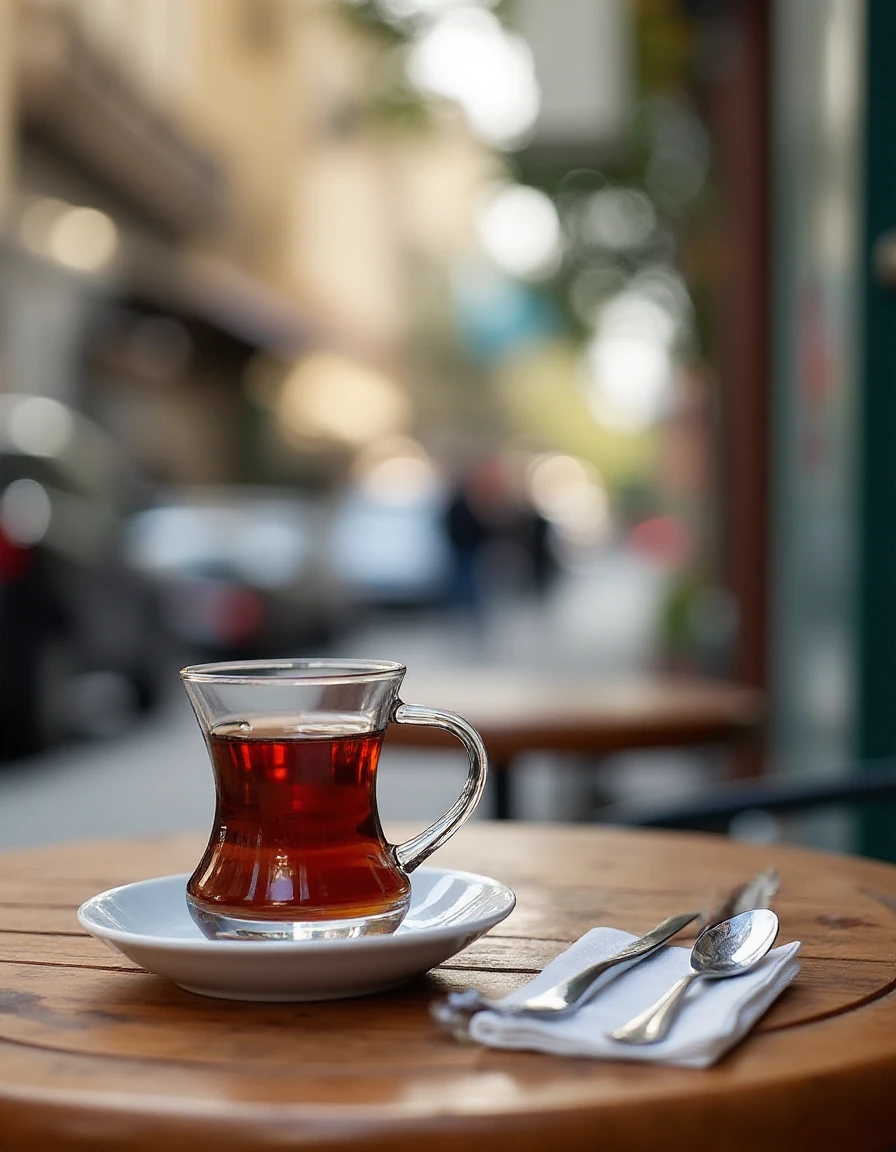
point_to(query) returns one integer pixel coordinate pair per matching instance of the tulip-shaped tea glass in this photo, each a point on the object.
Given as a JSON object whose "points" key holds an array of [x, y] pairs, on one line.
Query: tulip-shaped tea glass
{"points": [[297, 850]]}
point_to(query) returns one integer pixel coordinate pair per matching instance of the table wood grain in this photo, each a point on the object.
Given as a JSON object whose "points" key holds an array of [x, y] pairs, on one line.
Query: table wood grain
{"points": [[95, 1053]]}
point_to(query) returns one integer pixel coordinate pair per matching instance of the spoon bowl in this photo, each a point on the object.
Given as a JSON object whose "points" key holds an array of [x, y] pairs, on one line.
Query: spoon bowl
{"points": [[729, 948], [734, 945]]}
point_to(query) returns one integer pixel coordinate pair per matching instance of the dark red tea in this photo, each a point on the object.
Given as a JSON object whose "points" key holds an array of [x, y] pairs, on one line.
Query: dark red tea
{"points": [[296, 834]]}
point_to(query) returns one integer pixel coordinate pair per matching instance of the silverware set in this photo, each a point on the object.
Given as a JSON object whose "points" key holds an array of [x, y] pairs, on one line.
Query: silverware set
{"points": [[730, 940]]}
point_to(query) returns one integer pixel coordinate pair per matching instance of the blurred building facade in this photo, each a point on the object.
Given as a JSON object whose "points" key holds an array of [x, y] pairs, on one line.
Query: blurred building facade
{"points": [[237, 195], [302, 241]]}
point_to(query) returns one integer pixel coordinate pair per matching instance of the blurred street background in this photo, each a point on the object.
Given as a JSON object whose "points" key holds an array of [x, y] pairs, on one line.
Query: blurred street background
{"points": [[154, 777], [535, 334]]}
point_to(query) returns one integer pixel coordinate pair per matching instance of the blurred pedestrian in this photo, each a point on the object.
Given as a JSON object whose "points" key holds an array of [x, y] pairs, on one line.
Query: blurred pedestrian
{"points": [[468, 534]]}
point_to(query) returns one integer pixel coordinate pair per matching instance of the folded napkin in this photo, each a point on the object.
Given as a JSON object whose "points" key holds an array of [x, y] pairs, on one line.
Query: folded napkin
{"points": [[716, 1014]]}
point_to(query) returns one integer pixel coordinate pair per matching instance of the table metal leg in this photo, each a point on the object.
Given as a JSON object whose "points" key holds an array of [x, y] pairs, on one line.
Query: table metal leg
{"points": [[501, 789]]}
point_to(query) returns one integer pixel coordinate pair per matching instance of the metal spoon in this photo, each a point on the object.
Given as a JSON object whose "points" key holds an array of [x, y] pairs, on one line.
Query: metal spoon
{"points": [[729, 948]]}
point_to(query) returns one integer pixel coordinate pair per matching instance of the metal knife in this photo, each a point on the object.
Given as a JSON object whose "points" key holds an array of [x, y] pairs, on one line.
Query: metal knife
{"points": [[565, 997]]}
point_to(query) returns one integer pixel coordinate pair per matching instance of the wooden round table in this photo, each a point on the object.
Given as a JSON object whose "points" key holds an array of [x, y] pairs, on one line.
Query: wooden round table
{"points": [[97, 1054], [518, 710]]}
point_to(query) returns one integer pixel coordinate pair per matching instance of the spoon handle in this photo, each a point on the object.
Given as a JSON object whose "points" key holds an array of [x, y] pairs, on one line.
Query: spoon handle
{"points": [[654, 1022]]}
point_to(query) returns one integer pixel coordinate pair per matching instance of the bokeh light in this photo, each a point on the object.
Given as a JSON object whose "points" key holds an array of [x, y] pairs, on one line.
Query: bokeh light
{"points": [[616, 219], [81, 238], [396, 470], [332, 396], [467, 56], [84, 239], [570, 493], [25, 512], [518, 227], [37, 425]]}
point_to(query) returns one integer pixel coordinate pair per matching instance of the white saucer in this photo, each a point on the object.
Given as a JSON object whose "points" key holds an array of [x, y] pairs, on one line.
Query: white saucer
{"points": [[150, 923]]}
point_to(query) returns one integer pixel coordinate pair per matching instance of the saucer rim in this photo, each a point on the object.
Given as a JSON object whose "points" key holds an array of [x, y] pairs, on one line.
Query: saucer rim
{"points": [[244, 947]]}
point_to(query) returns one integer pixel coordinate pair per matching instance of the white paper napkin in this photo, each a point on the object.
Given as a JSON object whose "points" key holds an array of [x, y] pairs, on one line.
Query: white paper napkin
{"points": [[716, 1013]]}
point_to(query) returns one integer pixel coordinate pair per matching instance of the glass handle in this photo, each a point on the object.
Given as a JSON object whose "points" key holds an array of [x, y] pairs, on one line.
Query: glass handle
{"points": [[414, 851]]}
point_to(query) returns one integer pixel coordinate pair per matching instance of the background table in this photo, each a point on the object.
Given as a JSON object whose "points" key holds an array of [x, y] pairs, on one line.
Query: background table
{"points": [[95, 1053], [518, 711]]}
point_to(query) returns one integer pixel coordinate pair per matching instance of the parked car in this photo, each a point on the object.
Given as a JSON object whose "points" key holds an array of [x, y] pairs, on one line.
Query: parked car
{"points": [[245, 570], [82, 649], [392, 553]]}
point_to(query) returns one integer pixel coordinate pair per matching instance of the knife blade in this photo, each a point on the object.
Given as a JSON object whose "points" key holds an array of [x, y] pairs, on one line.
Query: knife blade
{"points": [[572, 993]]}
